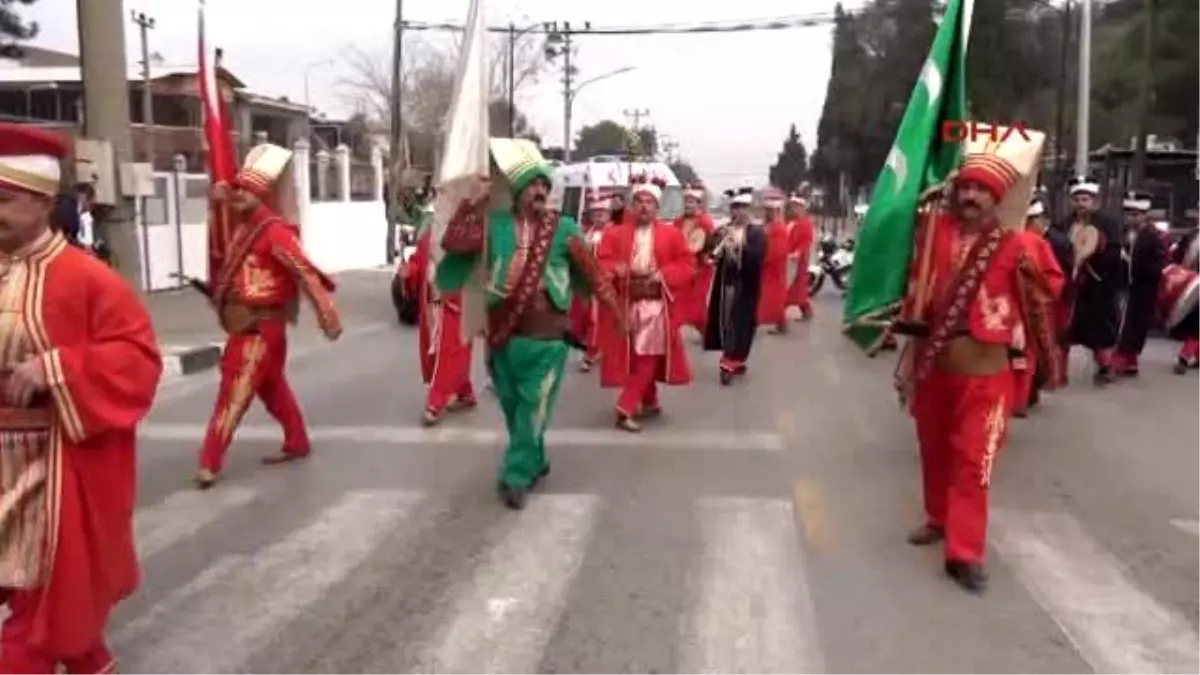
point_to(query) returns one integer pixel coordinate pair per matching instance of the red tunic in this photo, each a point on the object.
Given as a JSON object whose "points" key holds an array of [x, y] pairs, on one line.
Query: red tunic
{"points": [[102, 363], [772, 299], [800, 243], [676, 265], [450, 345], [693, 299]]}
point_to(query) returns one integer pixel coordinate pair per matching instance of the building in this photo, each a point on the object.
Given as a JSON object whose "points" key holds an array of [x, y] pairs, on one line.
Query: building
{"points": [[45, 87]]}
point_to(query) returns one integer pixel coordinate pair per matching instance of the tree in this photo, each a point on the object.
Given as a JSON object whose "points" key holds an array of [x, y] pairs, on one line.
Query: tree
{"points": [[684, 172], [12, 29], [607, 137], [791, 166]]}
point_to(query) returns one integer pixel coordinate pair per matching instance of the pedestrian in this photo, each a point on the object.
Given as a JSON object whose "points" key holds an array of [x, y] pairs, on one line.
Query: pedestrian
{"points": [[955, 375], [255, 295], [651, 266], [697, 227], [737, 251], [1029, 370], [583, 308], [445, 352], [1098, 279], [772, 301], [80, 368], [801, 233], [1147, 256], [533, 265]]}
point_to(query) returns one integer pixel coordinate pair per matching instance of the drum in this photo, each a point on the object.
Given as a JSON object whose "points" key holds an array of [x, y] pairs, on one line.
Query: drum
{"points": [[1178, 295]]}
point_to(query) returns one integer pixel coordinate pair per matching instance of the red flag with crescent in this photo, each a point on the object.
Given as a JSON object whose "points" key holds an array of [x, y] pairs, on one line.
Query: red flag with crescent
{"points": [[222, 162]]}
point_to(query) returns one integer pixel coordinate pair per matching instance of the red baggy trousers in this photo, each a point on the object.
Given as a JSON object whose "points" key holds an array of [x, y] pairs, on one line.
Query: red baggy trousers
{"points": [[253, 365], [17, 655], [640, 392], [962, 423]]}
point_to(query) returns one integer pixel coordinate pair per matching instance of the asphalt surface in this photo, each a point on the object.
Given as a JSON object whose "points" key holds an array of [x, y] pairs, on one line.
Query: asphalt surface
{"points": [[755, 528]]}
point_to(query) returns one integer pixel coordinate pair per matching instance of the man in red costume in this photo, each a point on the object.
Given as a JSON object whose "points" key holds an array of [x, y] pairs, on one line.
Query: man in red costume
{"points": [[970, 276], [256, 295], [696, 225], [801, 233], [650, 265], [583, 309], [80, 368], [772, 302], [1040, 254], [445, 353]]}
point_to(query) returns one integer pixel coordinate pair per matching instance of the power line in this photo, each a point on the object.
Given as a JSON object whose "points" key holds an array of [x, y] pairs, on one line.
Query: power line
{"points": [[779, 23]]}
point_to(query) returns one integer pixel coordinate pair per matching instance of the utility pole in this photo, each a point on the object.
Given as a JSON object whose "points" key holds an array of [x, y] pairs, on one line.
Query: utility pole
{"points": [[512, 80], [568, 93], [1083, 104], [106, 118], [636, 125], [1060, 106], [145, 25], [1145, 94], [395, 212]]}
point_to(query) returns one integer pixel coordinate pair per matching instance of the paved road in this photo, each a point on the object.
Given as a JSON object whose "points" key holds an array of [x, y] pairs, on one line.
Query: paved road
{"points": [[757, 528]]}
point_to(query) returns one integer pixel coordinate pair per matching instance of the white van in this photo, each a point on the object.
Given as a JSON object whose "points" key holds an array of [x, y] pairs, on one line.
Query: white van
{"points": [[611, 173]]}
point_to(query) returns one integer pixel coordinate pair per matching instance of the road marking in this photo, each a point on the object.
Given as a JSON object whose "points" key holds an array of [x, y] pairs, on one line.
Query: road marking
{"points": [[809, 502], [415, 435], [505, 615], [1115, 626], [178, 387], [753, 611], [216, 622], [1190, 526], [183, 514]]}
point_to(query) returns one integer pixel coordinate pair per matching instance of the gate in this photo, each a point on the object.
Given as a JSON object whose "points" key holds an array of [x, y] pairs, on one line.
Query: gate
{"points": [[173, 230]]}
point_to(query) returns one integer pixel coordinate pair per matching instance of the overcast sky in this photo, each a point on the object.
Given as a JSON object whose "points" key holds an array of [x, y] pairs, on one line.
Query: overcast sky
{"points": [[727, 99]]}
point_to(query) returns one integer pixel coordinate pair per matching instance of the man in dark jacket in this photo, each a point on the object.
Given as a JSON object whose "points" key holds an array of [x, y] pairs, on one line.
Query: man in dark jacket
{"points": [[1147, 258]]}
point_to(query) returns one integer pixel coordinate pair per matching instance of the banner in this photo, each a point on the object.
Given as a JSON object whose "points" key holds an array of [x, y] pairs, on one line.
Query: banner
{"points": [[465, 168], [919, 159], [222, 159]]}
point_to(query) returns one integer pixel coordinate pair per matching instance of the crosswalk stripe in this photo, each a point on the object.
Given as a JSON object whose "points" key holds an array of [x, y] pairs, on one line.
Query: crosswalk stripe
{"points": [[415, 435], [183, 514], [504, 616], [754, 613], [1116, 627], [1190, 526], [216, 623]]}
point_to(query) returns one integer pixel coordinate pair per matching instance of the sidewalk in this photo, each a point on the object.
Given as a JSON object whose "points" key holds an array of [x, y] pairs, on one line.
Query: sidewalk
{"points": [[191, 338]]}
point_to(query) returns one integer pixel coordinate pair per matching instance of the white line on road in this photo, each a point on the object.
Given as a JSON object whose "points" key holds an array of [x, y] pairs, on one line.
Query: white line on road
{"points": [[180, 516], [753, 613], [178, 387], [504, 616], [413, 435], [1190, 526], [217, 622], [1117, 627]]}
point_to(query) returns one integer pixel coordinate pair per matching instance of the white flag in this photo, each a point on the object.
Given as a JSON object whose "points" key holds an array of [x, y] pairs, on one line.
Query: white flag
{"points": [[465, 160]]}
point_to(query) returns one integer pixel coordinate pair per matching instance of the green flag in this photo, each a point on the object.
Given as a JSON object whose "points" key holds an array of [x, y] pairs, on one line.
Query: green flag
{"points": [[918, 160]]}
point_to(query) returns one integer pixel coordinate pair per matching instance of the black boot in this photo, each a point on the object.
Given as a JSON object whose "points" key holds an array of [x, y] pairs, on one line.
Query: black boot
{"points": [[970, 576], [926, 535], [513, 498]]}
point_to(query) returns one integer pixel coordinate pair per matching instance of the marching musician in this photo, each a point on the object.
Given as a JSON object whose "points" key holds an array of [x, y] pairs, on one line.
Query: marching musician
{"points": [[1147, 255], [697, 226], [1028, 377], [583, 308], [650, 265], [801, 234], [736, 251], [1178, 278], [772, 300], [963, 304], [1098, 277]]}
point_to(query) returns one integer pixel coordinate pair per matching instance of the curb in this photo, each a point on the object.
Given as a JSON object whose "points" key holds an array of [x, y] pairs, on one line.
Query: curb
{"points": [[186, 360]]}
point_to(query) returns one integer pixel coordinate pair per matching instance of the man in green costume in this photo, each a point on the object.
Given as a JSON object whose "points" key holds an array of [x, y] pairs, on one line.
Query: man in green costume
{"points": [[533, 265]]}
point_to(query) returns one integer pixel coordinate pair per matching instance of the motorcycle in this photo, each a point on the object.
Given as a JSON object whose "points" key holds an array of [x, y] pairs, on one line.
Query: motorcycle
{"points": [[405, 291], [836, 261]]}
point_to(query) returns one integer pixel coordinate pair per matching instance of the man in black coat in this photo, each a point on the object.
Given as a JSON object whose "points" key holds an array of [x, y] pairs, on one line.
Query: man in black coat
{"points": [[737, 251], [1099, 280], [1147, 258]]}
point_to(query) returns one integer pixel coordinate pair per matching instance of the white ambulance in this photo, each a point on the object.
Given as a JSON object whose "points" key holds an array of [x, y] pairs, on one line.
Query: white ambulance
{"points": [[611, 173]]}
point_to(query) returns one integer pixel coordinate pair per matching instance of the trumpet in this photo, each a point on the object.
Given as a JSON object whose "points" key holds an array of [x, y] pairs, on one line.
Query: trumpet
{"points": [[730, 243]]}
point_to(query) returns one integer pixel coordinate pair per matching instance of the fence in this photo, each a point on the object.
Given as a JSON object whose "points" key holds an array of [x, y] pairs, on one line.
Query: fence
{"points": [[338, 233]]}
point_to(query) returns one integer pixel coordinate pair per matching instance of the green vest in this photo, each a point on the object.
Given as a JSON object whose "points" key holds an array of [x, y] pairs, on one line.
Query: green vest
{"points": [[560, 278]]}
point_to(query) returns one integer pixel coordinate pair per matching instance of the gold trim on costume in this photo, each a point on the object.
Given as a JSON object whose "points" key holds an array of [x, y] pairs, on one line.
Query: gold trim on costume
{"points": [[310, 284], [996, 421], [28, 180], [68, 411], [242, 391]]}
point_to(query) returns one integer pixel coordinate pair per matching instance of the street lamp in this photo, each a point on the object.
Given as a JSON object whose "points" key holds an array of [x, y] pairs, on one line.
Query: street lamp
{"points": [[308, 111], [569, 103]]}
